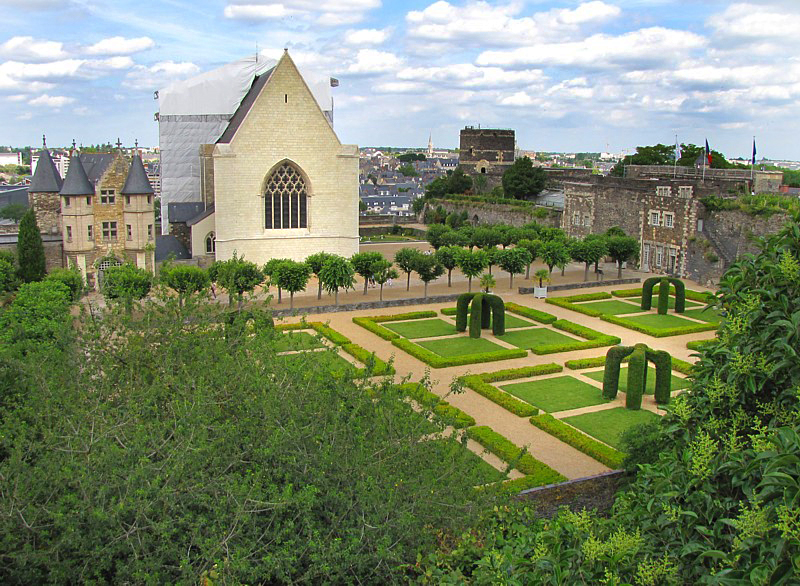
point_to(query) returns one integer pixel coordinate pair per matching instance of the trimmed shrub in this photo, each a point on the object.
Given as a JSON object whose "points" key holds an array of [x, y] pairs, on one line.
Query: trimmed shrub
{"points": [[680, 295], [498, 308], [682, 366], [505, 400], [588, 362], [587, 297], [661, 332], [373, 327], [613, 359], [420, 394], [663, 364], [663, 298], [698, 345], [445, 411], [462, 306], [402, 316], [329, 333], [448, 311], [580, 441], [436, 361], [637, 378], [476, 315], [524, 372], [374, 366], [593, 339], [563, 302], [647, 292], [513, 455], [534, 314]]}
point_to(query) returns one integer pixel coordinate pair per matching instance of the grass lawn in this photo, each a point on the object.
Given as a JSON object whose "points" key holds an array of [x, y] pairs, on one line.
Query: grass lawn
{"points": [[609, 424], [296, 341], [638, 301], [660, 322], [461, 346], [328, 361], [557, 394], [650, 388], [612, 307], [513, 322], [709, 315], [421, 328], [536, 337], [470, 464]]}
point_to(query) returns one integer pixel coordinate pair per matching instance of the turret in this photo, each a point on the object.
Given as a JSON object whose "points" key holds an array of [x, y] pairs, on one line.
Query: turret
{"points": [[77, 211], [43, 193]]}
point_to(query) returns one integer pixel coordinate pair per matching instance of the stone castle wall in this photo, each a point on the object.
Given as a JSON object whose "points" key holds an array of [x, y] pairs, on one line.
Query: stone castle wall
{"points": [[492, 213]]}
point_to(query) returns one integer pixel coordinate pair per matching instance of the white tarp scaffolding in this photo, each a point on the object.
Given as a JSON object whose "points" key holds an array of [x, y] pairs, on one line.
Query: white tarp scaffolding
{"points": [[196, 111]]}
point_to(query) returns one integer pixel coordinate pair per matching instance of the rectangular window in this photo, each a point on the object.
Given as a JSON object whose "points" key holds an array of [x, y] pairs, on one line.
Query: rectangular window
{"points": [[149, 199], [107, 196], [129, 230], [109, 231], [66, 202], [646, 256], [659, 255], [655, 218], [673, 258], [127, 200], [669, 220], [150, 231], [69, 233], [89, 234], [88, 200], [685, 191], [576, 219], [587, 221], [663, 191]]}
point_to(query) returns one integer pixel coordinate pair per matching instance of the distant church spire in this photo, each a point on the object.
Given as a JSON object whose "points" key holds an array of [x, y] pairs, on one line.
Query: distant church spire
{"points": [[430, 145]]}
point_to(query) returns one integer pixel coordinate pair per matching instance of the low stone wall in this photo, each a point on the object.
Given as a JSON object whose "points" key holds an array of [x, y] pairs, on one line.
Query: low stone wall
{"points": [[593, 492], [378, 230], [385, 219], [481, 212], [366, 305], [583, 285]]}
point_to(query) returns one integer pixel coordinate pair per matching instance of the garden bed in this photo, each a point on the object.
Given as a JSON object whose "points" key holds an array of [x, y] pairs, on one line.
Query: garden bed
{"points": [[608, 425], [560, 393], [677, 383]]}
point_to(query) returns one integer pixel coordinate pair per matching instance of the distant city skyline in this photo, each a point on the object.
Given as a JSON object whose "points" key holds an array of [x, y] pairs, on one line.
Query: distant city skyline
{"points": [[567, 75]]}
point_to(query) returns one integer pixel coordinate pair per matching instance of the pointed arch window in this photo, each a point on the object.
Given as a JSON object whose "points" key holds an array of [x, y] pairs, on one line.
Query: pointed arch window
{"points": [[285, 199], [211, 243]]}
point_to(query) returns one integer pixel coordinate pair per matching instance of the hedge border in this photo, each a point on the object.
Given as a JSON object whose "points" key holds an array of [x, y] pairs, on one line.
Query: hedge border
{"points": [[323, 329], [699, 344], [534, 470], [582, 363], [701, 296], [570, 302], [371, 322], [436, 361], [379, 366], [580, 441], [529, 312], [449, 415], [480, 384], [659, 333], [523, 372], [592, 339], [682, 366]]}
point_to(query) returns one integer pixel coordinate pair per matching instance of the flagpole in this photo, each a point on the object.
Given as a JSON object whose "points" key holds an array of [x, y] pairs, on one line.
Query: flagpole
{"points": [[675, 168], [705, 158], [753, 161]]}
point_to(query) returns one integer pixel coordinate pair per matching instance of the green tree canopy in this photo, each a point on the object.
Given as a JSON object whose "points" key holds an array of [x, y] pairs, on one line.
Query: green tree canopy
{"points": [[185, 280], [622, 249], [513, 261], [72, 278], [293, 276], [407, 170], [448, 258], [238, 276], [472, 263], [554, 253], [337, 273], [660, 154], [588, 251], [404, 259], [13, 211], [436, 233], [362, 264], [428, 268], [30, 249], [8, 276], [272, 269], [534, 247], [523, 180], [126, 283], [382, 272], [315, 261]]}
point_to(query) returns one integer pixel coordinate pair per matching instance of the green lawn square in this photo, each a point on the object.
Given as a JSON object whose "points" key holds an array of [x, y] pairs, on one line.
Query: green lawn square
{"points": [[513, 322], [650, 388], [638, 301], [660, 322], [296, 341], [461, 346], [709, 315], [612, 307], [557, 394], [328, 361], [421, 328], [609, 424], [536, 337], [470, 464]]}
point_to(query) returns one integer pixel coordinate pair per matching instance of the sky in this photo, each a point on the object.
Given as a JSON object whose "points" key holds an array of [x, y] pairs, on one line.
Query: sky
{"points": [[567, 75]]}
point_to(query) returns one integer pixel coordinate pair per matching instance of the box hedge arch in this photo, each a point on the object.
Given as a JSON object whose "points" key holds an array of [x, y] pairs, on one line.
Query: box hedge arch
{"points": [[663, 294], [640, 355], [485, 309]]}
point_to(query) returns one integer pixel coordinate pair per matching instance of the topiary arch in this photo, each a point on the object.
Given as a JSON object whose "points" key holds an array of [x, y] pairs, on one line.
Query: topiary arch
{"points": [[486, 309], [639, 354], [663, 294]]}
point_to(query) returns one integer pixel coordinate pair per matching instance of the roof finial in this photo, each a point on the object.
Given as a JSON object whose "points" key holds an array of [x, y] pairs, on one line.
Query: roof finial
{"points": [[73, 144], [119, 144], [44, 141], [136, 143]]}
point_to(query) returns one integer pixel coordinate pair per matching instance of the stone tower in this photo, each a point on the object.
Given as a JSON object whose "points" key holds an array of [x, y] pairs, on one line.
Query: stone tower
{"points": [[77, 215], [486, 151], [43, 194], [138, 215]]}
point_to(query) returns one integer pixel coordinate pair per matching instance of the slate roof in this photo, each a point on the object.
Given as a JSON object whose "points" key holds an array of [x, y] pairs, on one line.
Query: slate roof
{"points": [[244, 107], [137, 182], [182, 212], [46, 179], [76, 182], [18, 195], [201, 216], [170, 245], [95, 164]]}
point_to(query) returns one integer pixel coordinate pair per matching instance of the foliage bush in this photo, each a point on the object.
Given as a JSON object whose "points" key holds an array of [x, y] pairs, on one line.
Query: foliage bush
{"points": [[699, 344], [72, 278], [374, 366], [663, 298], [436, 361], [682, 366], [448, 414], [513, 455], [580, 441], [505, 400], [38, 316], [534, 314]]}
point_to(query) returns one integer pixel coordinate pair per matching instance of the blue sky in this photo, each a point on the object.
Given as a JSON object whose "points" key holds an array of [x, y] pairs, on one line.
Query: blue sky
{"points": [[568, 75]]}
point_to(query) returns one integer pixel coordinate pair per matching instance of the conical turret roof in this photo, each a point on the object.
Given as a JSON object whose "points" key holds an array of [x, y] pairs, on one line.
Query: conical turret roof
{"points": [[46, 179], [137, 182], [76, 182]]}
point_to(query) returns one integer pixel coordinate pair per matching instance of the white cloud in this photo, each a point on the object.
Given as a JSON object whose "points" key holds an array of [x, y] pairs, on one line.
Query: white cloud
{"points": [[517, 99], [323, 12], [466, 75], [120, 46], [371, 61], [757, 21], [399, 87], [366, 36], [158, 75], [28, 48], [51, 101]]}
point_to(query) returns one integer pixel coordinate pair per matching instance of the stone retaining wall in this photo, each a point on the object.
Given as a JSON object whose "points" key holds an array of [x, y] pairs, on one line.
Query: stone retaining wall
{"points": [[593, 492], [584, 285]]}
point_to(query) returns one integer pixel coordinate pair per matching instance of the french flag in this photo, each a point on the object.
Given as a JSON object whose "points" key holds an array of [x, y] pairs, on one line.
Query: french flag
{"points": [[708, 153]]}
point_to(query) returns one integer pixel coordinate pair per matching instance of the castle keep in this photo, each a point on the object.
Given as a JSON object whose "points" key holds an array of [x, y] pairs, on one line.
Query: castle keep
{"points": [[486, 151]]}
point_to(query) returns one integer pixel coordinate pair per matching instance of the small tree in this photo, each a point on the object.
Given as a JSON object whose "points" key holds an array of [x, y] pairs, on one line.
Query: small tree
{"points": [[8, 276], [588, 251], [513, 261], [293, 276], [472, 264], [315, 261], [492, 255], [622, 249], [126, 283], [238, 276], [554, 253], [436, 233], [337, 273], [272, 270], [362, 264], [488, 282], [185, 280], [428, 268], [486, 237], [522, 179], [448, 258], [404, 259], [382, 271], [71, 277], [30, 249], [543, 275]]}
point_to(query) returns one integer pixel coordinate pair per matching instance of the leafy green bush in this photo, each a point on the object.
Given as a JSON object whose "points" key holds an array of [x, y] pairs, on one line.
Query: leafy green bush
{"points": [[534, 314], [436, 361], [442, 409], [38, 315], [659, 332], [699, 344], [523, 372], [682, 366], [374, 366], [448, 311], [513, 455], [505, 400], [579, 440], [72, 278], [614, 358], [642, 445]]}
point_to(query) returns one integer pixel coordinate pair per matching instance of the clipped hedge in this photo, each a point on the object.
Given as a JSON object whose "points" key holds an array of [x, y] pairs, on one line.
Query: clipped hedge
{"points": [[371, 322], [587, 297], [663, 298], [701, 296], [566, 304], [402, 316], [682, 366], [658, 333], [373, 327], [614, 358], [593, 339], [589, 362], [448, 311], [321, 328], [379, 367], [637, 378], [663, 363], [436, 361], [699, 344], [511, 453], [580, 441], [505, 400], [534, 314], [442, 409], [524, 372]]}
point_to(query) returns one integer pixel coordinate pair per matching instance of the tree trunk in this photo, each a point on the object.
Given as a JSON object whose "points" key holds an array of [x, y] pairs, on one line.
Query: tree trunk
{"points": [[511, 281], [291, 299], [586, 272], [449, 273], [528, 272], [381, 297], [562, 270], [490, 269], [426, 290], [469, 280], [366, 282], [408, 281], [241, 302], [619, 270], [279, 294], [319, 291], [336, 298]]}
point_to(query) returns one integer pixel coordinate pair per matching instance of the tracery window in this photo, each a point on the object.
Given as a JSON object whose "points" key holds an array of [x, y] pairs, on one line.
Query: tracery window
{"points": [[285, 200]]}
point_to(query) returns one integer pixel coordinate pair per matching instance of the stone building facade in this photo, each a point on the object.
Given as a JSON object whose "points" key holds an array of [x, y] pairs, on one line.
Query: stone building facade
{"points": [[486, 151]]}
